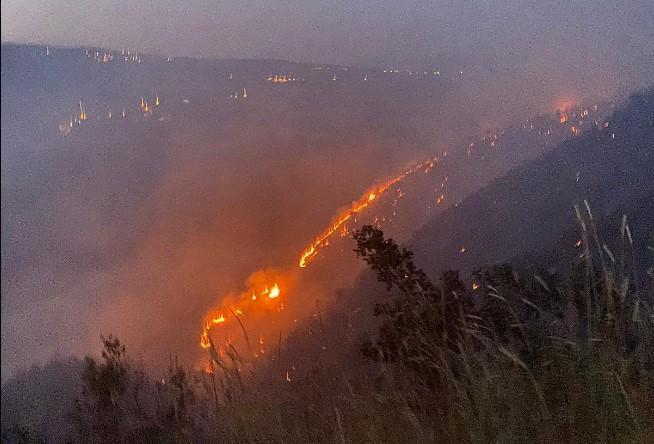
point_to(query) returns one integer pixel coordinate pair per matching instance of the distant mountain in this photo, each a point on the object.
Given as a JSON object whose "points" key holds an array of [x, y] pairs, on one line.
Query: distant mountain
{"points": [[44, 67], [531, 208]]}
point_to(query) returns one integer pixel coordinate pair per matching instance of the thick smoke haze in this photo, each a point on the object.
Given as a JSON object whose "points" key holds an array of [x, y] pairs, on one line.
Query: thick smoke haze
{"points": [[137, 230]]}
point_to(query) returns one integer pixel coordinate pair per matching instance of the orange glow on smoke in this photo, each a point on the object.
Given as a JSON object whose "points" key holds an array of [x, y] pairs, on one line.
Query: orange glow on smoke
{"points": [[251, 301], [265, 288], [565, 103]]}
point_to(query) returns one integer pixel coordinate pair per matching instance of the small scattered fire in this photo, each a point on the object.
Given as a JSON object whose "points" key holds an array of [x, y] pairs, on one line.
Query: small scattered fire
{"points": [[281, 78]]}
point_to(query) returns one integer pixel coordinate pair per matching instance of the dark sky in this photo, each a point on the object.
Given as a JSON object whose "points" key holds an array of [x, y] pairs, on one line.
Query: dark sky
{"points": [[412, 32]]}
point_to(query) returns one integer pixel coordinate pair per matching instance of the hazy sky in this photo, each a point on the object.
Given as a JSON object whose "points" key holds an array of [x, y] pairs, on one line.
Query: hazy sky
{"points": [[347, 32]]}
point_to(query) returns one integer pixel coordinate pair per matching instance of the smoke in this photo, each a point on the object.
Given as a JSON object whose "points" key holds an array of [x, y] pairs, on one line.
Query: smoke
{"points": [[139, 229]]}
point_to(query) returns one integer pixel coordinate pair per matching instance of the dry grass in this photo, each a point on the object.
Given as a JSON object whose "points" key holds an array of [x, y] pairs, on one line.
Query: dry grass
{"points": [[582, 374], [592, 381]]}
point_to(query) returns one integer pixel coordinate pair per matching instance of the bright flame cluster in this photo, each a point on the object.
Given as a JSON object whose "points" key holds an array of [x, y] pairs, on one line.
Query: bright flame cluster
{"points": [[221, 316]]}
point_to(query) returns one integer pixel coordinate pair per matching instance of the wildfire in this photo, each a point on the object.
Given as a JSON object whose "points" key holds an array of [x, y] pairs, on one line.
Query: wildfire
{"points": [[82, 111], [264, 295], [264, 289], [256, 300], [322, 240]]}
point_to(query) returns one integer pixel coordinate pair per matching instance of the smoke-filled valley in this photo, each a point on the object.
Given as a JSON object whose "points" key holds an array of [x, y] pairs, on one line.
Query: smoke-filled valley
{"points": [[239, 226], [136, 223]]}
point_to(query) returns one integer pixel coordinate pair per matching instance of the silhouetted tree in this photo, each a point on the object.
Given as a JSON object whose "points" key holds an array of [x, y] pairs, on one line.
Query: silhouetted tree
{"points": [[424, 318], [98, 414]]}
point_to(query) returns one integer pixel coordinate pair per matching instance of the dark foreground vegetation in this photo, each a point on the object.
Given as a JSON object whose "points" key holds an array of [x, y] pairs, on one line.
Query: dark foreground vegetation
{"points": [[504, 358]]}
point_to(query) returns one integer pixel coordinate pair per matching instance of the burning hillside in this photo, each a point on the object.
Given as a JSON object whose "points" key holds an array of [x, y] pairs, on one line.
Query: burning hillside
{"points": [[260, 309], [268, 289]]}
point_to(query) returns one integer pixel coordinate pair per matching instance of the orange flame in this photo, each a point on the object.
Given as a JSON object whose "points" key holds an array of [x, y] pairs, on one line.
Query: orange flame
{"points": [[274, 292], [233, 310], [563, 117], [322, 240]]}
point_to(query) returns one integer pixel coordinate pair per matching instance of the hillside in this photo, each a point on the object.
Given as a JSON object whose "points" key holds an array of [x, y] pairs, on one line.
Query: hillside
{"points": [[531, 207], [318, 383], [126, 174]]}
